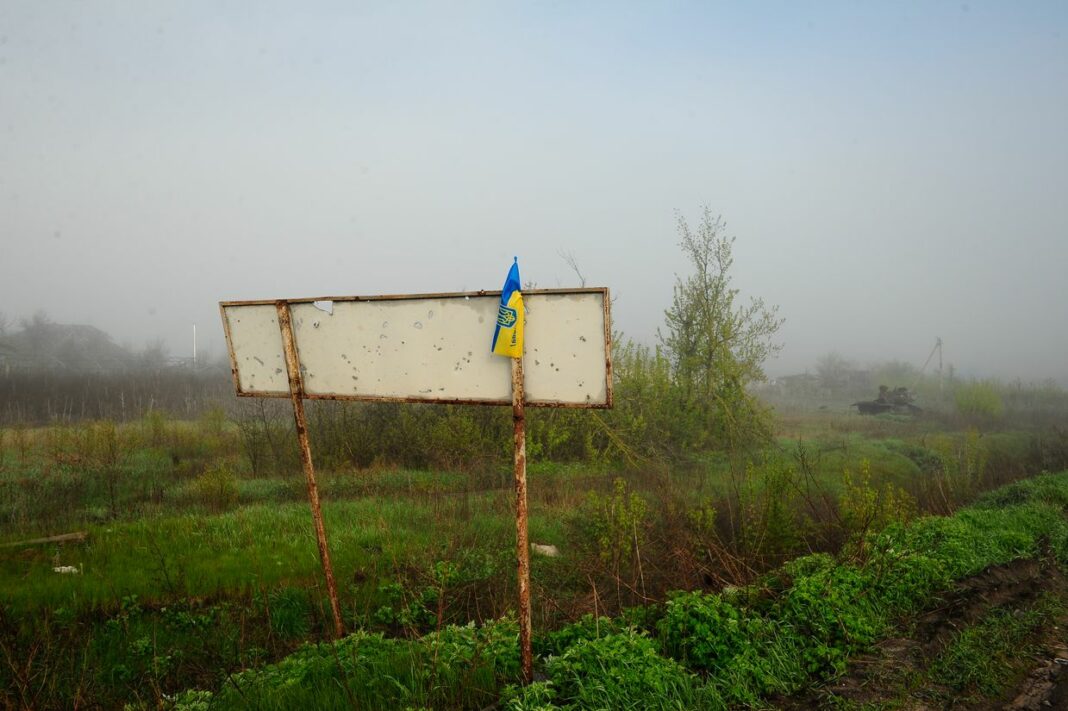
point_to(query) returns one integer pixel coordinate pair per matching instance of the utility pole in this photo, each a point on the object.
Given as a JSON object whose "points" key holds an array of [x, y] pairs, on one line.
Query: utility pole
{"points": [[938, 342]]}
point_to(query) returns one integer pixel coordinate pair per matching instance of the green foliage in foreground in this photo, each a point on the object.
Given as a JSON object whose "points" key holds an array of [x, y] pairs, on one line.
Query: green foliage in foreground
{"points": [[808, 618], [456, 667], [798, 625], [616, 671]]}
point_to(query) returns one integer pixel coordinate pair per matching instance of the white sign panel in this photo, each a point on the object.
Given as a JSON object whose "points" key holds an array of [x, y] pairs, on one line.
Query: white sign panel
{"points": [[433, 348]]}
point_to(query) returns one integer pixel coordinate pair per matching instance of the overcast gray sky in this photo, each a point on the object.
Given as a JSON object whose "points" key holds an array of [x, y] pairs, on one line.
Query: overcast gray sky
{"points": [[892, 172]]}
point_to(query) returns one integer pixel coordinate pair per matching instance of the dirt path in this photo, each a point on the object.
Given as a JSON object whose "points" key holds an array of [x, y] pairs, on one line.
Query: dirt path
{"points": [[898, 673], [1046, 686]]}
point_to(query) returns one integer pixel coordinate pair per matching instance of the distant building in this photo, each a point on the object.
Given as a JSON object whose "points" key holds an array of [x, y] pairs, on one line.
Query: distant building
{"points": [[43, 345]]}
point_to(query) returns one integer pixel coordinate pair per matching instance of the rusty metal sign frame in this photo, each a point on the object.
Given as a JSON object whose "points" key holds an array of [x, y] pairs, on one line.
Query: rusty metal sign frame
{"points": [[607, 405], [297, 394]]}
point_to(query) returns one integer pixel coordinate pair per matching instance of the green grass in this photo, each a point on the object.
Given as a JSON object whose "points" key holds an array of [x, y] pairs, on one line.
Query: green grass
{"points": [[407, 545], [622, 670], [197, 555], [800, 624], [171, 557], [976, 667], [458, 667], [984, 658]]}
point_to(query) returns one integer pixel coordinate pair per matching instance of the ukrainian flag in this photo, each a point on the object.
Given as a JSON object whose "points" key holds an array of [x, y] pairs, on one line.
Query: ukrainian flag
{"points": [[508, 335]]}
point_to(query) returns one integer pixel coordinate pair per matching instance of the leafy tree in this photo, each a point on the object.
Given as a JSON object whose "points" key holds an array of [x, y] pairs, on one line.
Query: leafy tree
{"points": [[979, 401], [716, 344]]}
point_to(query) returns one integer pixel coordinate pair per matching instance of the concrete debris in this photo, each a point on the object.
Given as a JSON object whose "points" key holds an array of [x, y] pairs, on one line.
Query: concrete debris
{"points": [[549, 551]]}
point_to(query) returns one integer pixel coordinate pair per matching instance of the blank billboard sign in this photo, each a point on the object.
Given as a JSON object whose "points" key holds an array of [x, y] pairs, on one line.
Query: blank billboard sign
{"points": [[426, 348]]}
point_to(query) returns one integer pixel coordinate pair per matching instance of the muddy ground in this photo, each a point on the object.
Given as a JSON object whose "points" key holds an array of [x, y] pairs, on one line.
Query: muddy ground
{"points": [[902, 672]]}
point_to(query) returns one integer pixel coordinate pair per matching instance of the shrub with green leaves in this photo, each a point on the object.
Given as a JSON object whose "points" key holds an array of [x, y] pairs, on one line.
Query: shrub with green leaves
{"points": [[705, 631], [586, 628], [979, 401], [622, 671], [491, 651], [216, 488], [833, 608], [745, 654], [457, 667], [617, 520], [824, 610], [864, 507]]}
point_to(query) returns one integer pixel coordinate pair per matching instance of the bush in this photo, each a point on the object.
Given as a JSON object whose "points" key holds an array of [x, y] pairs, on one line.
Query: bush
{"points": [[216, 488], [587, 628], [617, 521], [834, 610], [491, 652], [865, 508], [622, 671], [457, 667], [979, 401], [705, 631], [538, 696]]}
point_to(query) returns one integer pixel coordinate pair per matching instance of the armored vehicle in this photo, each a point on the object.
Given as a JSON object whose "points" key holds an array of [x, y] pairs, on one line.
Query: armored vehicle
{"points": [[897, 401]]}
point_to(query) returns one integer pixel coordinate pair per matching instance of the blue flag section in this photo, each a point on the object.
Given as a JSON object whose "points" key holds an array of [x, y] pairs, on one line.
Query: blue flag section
{"points": [[508, 333]]}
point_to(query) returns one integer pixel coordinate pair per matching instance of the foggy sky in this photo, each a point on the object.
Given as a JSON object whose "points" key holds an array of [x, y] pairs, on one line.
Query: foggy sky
{"points": [[892, 174]]}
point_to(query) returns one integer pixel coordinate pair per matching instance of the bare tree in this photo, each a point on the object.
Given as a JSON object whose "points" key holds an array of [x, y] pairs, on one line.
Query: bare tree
{"points": [[154, 355], [569, 260], [39, 330]]}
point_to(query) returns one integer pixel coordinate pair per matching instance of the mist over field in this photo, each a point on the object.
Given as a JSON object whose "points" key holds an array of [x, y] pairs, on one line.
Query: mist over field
{"points": [[893, 173], [817, 458]]}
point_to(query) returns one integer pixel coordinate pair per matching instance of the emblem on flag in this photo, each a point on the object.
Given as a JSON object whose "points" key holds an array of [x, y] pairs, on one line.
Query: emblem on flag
{"points": [[508, 331]]}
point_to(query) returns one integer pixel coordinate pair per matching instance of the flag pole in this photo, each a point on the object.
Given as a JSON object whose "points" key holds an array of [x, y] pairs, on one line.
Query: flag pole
{"points": [[519, 439]]}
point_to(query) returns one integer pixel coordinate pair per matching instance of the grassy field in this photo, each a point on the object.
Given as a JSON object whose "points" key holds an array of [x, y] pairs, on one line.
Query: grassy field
{"points": [[792, 627], [194, 569]]}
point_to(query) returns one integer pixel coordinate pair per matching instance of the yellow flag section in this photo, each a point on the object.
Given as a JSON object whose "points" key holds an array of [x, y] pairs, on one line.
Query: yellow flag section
{"points": [[508, 333]]}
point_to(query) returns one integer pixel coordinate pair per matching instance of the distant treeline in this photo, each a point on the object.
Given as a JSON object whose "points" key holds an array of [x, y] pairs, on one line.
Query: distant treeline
{"points": [[38, 397]]}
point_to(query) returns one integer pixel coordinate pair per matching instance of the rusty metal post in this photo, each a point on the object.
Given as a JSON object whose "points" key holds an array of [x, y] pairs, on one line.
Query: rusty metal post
{"points": [[296, 392], [521, 539]]}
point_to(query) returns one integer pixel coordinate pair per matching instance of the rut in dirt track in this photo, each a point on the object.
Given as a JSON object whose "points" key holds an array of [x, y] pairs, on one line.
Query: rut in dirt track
{"points": [[876, 678]]}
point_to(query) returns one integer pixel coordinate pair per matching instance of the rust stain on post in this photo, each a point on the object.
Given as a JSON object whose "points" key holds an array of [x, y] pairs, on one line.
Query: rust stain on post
{"points": [[608, 348], [296, 392], [230, 349], [521, 538]]}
